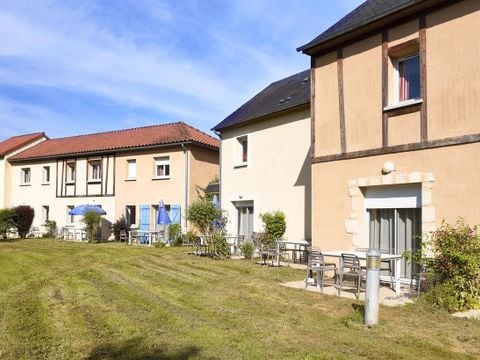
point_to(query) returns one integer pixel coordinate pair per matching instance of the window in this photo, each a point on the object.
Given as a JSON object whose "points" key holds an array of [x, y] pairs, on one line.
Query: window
{"points": [[45, 213], [407, 78], [132, 169], [130, 214], [94, 170], [46, 175], [242, 149], [26, 176], [162, 167], [70, 173], [70, 217]]}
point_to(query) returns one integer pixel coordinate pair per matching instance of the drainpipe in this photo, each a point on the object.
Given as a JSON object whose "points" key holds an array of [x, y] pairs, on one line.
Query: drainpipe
{"points": [[185, 152], [219, 134]]}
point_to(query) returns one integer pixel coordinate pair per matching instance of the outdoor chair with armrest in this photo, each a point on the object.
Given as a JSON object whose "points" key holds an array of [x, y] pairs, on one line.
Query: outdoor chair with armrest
{"points": [[350, 268], [123, 235], [419, 278], [316, 263]]}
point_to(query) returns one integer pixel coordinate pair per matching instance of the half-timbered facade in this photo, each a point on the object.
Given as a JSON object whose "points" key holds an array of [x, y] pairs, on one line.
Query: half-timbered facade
{"points": [[395, 130]]}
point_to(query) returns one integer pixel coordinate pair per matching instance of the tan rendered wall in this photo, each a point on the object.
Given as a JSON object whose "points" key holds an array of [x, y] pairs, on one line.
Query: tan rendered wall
{"points": [[145, 190], [362, 93], [277, 176], [455, 190], [204, 167], [326, 106], [453, 71], [453, 75]]}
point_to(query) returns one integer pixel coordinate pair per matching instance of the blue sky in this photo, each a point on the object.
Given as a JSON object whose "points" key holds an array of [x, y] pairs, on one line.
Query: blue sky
{"points": [[71, 67]]}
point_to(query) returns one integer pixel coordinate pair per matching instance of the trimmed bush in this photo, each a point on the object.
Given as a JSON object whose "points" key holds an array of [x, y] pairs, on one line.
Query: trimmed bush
{"points": [[51, 226], [24, 220], [275, 225], [174, 234], [247, 250], [7, 221]]}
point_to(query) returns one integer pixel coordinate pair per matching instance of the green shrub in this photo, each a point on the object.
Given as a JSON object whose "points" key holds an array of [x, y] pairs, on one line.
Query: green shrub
{"points": [[119, 225], [247, 249], [174, 234], [92, 221], [455, 267], [203, 214], [7, 221], [51, 226], [275, 225], [23, 220]]}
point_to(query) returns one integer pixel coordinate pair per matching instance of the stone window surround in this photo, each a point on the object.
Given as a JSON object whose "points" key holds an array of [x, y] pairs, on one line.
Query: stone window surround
{"points": [[357, 216]]}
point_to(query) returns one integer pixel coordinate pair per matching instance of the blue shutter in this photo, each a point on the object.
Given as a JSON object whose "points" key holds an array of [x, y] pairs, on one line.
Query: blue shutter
{"points": [[175, 214], [144, 217]]}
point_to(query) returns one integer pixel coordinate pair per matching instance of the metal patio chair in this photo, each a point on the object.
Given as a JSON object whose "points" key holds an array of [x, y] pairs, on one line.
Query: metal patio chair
{"points": [[350, 268], [316, 263]]}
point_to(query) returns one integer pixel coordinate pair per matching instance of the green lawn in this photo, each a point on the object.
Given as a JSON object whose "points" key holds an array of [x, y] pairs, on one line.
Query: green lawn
{"points": [[107, 301]]}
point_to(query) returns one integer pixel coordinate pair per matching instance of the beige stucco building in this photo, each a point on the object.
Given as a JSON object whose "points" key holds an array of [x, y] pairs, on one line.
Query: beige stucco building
{"points": [[126, 172], [9, 148], [265, 161], [395, 112]]}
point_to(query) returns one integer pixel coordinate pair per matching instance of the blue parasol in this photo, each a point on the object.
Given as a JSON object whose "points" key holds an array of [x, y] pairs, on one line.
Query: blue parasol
{"points": [[83, 209], [163, 218]]}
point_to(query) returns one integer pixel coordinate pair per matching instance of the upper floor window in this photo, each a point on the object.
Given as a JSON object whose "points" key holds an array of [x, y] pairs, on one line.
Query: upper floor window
{"points": [[131, 169], [162, 167], [94, 170], [26, 176], [407, 78], [70, 175], [242, 152], [46, 175]]}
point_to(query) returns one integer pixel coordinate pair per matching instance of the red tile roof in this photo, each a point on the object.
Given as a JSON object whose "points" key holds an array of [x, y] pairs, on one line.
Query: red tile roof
{"points": [[119, 140], [16, 142]]}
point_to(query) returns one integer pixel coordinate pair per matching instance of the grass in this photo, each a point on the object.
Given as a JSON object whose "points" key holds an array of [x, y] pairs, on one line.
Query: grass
{"points": [[109, 301]]}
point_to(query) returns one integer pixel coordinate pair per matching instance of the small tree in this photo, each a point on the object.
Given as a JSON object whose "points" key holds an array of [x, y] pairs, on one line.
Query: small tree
{"points": [[24, 220], [51, 226], [210, 221], [92, 221], [7, 221], [274, 224]]}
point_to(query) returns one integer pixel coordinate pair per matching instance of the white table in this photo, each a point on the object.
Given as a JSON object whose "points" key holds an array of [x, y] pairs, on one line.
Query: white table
{"points": [[232, 242], [363, 256], [149, 234]]}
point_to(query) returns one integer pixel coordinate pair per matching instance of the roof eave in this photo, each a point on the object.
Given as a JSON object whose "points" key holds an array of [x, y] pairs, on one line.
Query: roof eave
{"points": [[369, 25], [262, 117], [111, 151]]}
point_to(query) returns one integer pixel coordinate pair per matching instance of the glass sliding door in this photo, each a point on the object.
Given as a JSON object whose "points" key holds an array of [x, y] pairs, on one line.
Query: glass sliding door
{"points": [[396, 231], [245, 221]]}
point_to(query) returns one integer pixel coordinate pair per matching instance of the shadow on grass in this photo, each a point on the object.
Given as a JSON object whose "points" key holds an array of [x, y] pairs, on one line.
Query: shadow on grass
{"points": [[136, 349]]}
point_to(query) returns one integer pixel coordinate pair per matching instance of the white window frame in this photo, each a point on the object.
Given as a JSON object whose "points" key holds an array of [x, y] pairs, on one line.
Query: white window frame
{"points": [[94, 170], [131, 169], [396, 82], [26, 176], [240, 162], [161, 161], [45, 172], [70, 173]]}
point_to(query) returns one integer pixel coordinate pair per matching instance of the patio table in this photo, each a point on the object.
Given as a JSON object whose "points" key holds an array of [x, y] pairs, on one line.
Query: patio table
{"points": [[362, 255], [297, 247], [149, 234]]}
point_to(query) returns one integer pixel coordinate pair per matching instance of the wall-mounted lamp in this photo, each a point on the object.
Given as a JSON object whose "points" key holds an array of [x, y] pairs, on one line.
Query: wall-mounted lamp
{"points": [[388, 167]]}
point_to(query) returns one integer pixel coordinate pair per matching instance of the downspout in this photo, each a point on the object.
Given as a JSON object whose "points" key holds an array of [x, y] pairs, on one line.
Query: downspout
{"points": [[185, 152], [219, 134]]}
